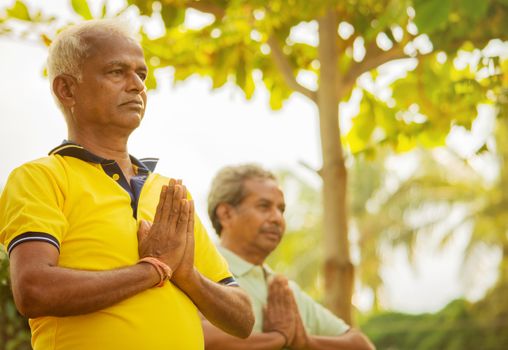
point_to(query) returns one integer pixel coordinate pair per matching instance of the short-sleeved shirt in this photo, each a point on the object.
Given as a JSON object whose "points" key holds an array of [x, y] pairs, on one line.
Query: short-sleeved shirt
{"points": [[253, 279], [83, 205]]}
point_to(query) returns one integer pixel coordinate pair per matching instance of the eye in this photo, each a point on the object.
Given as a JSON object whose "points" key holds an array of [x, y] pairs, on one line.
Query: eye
{"points": [[142, 76], [264, 206], [116, 72]]}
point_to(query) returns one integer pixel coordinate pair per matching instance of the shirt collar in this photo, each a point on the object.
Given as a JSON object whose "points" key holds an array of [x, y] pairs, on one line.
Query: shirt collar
{"points": [[239, 266], [71, 149]]}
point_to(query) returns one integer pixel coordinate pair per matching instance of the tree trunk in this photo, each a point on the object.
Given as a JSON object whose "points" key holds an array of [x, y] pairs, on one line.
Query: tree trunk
{"points": [[339, 272]]}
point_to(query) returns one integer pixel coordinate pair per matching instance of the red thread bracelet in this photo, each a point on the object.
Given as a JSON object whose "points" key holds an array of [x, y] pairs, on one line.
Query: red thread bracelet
{"points": [[163, 270]]}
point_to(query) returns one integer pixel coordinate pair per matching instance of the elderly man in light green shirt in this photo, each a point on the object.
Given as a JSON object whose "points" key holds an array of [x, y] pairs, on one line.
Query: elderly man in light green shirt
{"points": [[246, 207]]}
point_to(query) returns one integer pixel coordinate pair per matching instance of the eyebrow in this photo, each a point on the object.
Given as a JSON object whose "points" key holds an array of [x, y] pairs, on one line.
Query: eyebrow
{"points": [[125, 65]]}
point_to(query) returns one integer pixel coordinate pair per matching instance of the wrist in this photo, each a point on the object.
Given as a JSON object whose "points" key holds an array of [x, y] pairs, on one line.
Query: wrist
{"points": [[281, 337], [164, 271], [188, 280]]}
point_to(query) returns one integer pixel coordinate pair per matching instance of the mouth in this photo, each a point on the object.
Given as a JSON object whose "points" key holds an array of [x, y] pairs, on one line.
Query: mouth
{"points": [[272, 234], [133, 104]]}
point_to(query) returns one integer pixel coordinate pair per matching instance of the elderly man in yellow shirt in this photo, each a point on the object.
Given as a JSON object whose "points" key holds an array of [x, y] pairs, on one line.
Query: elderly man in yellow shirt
{"points": [[246, 207], [87, 266]]}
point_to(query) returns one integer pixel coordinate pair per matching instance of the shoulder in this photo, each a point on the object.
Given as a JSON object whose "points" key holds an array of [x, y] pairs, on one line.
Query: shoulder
{"points": [[53, 163], [45, 166]]}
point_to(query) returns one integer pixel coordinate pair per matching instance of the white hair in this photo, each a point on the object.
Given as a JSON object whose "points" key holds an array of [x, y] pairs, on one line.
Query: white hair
{"points": [[70, 48]]}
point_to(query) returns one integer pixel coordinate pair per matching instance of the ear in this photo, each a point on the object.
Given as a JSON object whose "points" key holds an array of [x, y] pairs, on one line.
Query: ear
{"points": [[64, 87], [224, 213]]}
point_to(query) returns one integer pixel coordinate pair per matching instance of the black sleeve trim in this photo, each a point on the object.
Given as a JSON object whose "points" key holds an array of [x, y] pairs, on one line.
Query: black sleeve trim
{"points": [[32, 236], [229, 281]]}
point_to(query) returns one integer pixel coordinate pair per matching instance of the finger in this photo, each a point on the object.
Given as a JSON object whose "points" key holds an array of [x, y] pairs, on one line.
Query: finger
{"points": [[160, 205], [190, 224], [176, 206], [185, 193], [280, 279], [276, 285], [190, 227], [168, 202], [183, 218], [143, 230]]}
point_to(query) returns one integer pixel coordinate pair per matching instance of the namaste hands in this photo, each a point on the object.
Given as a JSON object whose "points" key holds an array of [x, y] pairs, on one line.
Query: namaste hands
{"points": [[171, 236], [281, 314]]}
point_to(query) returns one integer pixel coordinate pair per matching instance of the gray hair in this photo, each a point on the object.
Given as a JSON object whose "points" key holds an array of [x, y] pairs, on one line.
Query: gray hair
{"points": [[228, 187], [70, 48]]}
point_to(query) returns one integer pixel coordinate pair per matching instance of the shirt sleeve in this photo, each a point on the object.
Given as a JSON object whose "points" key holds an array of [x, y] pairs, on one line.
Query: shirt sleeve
{"points": [[207, 258], [31, 206], [317, 319]]}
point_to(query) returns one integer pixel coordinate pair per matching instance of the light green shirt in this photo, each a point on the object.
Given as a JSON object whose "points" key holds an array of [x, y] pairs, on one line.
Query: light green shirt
{"points": [[317, 319]]}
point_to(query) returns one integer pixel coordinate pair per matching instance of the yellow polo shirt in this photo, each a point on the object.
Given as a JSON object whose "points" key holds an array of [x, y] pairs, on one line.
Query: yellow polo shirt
{"points": [[79, 204]]}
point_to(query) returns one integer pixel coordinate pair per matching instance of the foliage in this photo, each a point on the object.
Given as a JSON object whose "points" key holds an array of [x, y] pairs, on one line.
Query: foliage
{"points": [[457, 326], [14, 330], [431, 98]]}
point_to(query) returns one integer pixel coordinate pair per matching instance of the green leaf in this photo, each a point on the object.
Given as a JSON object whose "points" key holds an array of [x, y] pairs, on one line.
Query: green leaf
{"points": [[475, 9], [19, 11], [172, 16], [81, 8], [431, 14]]}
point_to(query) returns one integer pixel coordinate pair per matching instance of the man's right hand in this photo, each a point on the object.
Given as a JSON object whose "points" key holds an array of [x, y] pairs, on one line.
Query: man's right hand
{"points": [[167, 237], [278, 315]]}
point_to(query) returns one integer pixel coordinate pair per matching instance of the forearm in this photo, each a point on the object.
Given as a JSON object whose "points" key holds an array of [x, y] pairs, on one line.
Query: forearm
{"points": [[57, 291], [228, 308], [215, 339], [351, 340]]}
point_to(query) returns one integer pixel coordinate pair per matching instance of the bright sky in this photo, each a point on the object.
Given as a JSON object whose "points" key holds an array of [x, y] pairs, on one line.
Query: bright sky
{"points": [[195, 131]]}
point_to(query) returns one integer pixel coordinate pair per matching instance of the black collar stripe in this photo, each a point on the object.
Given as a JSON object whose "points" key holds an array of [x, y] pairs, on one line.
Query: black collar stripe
{"points": [[111, 168], [145, 165], [149, 163]]}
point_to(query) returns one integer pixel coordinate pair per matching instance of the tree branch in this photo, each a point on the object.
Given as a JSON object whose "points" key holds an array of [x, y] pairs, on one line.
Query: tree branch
{"points": [[374, 57], [286, 70], [202, 6]]}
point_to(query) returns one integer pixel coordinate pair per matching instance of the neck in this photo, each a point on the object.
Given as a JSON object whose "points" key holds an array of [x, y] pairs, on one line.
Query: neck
{"points": [[247, 253], [112, 147]]}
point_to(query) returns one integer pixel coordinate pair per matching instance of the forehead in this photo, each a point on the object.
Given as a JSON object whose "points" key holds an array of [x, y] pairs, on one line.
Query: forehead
{"points": [[267, 189], [105, 48]]}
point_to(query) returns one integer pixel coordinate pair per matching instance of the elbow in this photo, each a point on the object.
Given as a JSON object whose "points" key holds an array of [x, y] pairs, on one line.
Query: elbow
{"points": [[249, 319], [29, 300], [27, 305], [369, 346], [366, 344], [361, 341], [244, 328], [246, 331]]}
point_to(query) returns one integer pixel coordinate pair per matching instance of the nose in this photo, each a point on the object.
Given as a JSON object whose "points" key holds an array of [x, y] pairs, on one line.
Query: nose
{"points": [[277, 216], [136, 83]]}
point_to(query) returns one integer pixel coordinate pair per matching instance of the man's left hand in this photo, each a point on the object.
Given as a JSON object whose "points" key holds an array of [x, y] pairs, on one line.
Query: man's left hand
{"points": [[186, 268]]}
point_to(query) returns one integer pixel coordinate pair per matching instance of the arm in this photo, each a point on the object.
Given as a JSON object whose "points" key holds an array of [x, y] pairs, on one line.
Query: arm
{"points": [[279, 292], [215, 339], [278, 327], [228, 308], [351, 340], [42, 288]]}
